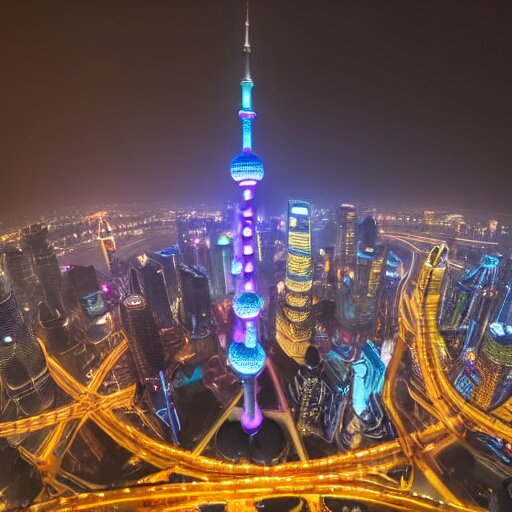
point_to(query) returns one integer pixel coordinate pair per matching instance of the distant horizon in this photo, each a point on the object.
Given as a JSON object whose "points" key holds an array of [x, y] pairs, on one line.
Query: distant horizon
{"points": [[15, 222], [398, 102]]}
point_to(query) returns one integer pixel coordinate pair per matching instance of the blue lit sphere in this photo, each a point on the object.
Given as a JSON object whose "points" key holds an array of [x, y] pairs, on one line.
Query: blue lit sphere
{"points": [[247, 305], [247, 166], [245, 360]]}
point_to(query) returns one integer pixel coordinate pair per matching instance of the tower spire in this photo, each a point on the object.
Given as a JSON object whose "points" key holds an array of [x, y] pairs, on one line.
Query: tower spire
{"points": [[247, 43]]}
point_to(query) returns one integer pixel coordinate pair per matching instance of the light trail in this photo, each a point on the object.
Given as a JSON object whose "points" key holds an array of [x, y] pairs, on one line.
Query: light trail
{"points": [[250, 490], [448, 402], [359, 475]]}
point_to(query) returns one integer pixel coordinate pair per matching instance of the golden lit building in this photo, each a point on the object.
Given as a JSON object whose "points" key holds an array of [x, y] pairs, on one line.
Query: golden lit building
{"points": [[494, 360], [293, 323]]}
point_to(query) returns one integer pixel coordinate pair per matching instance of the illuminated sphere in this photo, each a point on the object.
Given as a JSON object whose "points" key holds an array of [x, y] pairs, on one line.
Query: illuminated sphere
{"points": [[245, 360], [247, 305], [247, 166]]}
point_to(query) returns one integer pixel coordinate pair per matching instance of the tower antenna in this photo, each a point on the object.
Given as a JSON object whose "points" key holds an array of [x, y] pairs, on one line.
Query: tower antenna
{"points": [[247, 43]]}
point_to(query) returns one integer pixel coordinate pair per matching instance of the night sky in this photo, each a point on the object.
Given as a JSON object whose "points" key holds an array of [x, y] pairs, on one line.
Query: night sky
{"points": [[394, 102]]}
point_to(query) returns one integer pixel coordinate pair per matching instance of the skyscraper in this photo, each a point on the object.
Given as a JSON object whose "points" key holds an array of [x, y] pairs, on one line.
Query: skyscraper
{"points": [[345, 248], [494, 361], [143, 338], [44, 262], [169, 260], [246, 356], [294, 326], [64, 343], [221, 278], [23, 371], [197, 305], [24, 282], [147, 278]]}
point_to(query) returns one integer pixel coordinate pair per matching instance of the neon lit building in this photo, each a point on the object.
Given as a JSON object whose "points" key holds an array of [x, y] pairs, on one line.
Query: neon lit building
{"points": [[246, 356], [494, 361], [143, 339], [293, 325]]}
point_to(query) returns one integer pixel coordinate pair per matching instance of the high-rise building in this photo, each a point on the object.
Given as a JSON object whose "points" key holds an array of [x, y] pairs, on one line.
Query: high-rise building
{"points": [[294, 324], [197, 305], [246, 356], [108, 245], [147, 278], [87, 305], [64, 342], [469, 303], [345, 247], [196, 253], [494, 360], [83, 291], [23, 372], [168, 258], [44, 262], [143, 339], [370, 273], [221, 278], [25, 284]]}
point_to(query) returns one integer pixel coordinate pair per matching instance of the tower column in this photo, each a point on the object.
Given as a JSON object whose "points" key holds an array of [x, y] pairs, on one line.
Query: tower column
{"points": [[246, 356]]}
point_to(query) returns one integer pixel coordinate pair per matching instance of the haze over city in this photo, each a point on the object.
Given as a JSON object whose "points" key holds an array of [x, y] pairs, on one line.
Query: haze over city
{"points": [[255, 256], [132, 101]]}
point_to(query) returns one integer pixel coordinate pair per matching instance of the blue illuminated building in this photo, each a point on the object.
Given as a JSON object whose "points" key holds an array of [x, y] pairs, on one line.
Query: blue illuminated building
{"points": [[391, 276], [246, 356], [368, 380]]}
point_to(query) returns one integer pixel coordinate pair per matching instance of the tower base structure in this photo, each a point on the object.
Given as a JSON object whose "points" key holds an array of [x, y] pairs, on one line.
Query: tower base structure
{"points": [[267, 446]]}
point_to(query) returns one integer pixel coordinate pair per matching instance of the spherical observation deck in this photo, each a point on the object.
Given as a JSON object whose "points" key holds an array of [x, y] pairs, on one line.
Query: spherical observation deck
{"points": [[247, 305], [248, 361], [247, 166]]}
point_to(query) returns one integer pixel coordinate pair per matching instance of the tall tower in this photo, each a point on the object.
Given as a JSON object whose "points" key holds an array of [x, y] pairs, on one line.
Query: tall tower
{"points": [[143, 339], [23, 371], [293, 325], [494, 361], [345, 249], [246, 355], [44, 262]]}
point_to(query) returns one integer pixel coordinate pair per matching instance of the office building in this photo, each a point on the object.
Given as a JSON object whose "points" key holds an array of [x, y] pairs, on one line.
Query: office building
{"points": [[294, 323], [44, 262], [345, 245], [197, 306], [143, 339], [23, 371]]}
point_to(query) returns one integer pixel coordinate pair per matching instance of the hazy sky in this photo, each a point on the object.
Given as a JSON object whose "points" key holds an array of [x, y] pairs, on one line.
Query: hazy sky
{"points": [[108, 101]]}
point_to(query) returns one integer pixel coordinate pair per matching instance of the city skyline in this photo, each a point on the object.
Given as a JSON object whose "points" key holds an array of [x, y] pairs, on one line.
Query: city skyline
{"points": [[110, 105], [172, 354]]}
